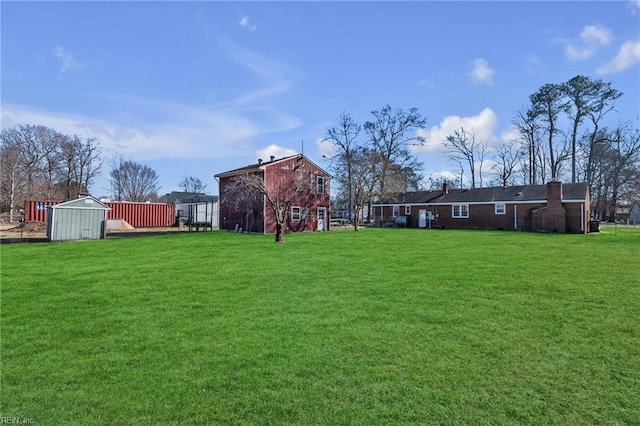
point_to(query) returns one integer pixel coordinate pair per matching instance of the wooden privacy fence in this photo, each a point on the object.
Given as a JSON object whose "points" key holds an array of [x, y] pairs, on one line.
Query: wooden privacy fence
{"points": [[138, 215]]}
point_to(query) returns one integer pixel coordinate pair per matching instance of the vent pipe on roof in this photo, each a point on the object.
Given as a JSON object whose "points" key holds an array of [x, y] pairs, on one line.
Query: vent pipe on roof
{"points": [[445, 188], [259, 160], [273, 157]]}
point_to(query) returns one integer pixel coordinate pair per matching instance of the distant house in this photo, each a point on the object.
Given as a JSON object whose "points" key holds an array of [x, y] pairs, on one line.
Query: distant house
{"points": [[554, 207], [634, 213], [175, 196], [308, 213]]}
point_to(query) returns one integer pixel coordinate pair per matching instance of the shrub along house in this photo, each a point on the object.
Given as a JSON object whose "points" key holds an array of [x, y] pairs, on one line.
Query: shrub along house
{"points": [[554, 207], [308, 205]]}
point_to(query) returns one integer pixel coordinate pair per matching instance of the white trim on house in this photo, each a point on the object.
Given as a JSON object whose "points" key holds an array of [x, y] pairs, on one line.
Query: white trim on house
{"points": [[320, 186], [502, 210], [477, 203], [299, 214], [407, 209], [462, 208]]}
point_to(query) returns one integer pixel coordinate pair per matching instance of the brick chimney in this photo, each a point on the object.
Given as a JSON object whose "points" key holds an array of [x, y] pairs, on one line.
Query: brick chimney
{"points": [[445, 188], [554, 194], [552, 217]]}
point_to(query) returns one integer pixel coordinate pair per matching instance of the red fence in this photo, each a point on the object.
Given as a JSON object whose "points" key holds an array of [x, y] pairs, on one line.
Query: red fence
{"points": [[138, 215], [37, 210], [143, 215]]}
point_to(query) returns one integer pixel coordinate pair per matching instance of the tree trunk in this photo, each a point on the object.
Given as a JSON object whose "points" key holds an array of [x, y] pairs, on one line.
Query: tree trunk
{"points": [[279, 233]]}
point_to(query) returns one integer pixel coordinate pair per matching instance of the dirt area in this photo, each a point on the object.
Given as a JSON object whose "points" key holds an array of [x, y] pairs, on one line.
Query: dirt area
{"points": [[37, 232]]}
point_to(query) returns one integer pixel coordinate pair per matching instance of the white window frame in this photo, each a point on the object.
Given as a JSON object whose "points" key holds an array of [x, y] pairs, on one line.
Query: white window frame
{"points": [[462, 211], [396, 210], [501, 208], [319, 184], [407, 210], [296, 213]]}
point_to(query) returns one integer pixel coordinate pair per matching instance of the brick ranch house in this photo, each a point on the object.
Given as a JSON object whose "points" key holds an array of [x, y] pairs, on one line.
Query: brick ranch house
{"points": [[554, 207], [308, 213]]}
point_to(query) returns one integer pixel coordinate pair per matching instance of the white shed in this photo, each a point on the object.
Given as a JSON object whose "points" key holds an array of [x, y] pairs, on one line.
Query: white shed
{"points": [[82, 219]]}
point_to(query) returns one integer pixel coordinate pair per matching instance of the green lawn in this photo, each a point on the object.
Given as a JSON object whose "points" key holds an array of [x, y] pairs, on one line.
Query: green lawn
{"points": [[377, 327]]}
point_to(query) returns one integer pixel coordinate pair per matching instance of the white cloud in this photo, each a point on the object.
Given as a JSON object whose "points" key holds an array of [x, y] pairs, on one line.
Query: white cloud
{"points": [[245, 22], [483, 124], [533, 64], [276, 151], [597, 34], [482, 73], [592, 37], [425, 83], [67, 61], [271, 71], [194, 132], [628, 56], [325, 148], [510, 134], [634, 6], [442, 175]]}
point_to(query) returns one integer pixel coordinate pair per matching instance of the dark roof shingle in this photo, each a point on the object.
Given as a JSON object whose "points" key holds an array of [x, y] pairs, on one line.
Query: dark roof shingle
{"points": [[570, 191]]}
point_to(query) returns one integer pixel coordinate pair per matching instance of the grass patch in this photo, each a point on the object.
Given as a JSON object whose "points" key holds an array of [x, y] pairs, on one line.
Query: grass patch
{"points": [[380, 326]]}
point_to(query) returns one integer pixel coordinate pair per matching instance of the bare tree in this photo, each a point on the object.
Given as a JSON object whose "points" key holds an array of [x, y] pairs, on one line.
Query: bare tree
{"points": [[507, 158], [623, 164], [344, 139], [192, 184], [35, 147], [587, 97], [464, 148], [79, 163], [12, 179], [548, 103], [392, 132], [483, 147], [131, 181], [364, 164], [529, 129], [247, 187]]}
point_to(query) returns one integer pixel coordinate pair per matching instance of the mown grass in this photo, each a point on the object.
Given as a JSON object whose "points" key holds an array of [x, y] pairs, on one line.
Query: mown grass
{"points": [[377, 327]]}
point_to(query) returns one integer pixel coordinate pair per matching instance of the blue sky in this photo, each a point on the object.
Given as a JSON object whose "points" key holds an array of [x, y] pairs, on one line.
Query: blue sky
{"points": [[197, 88]]}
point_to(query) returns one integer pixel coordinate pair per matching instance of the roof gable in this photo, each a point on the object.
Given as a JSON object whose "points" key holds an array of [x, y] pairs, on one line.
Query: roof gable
{"points": [[87, 202], [258, 167]]}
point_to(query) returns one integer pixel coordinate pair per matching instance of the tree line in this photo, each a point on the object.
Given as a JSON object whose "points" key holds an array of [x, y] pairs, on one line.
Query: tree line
{"points": [[562, 134], [39, 163], [374, 160]]}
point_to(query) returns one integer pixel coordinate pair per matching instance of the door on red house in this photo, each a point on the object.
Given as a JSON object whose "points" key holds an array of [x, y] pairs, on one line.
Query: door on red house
{"points": [[322, 216]]}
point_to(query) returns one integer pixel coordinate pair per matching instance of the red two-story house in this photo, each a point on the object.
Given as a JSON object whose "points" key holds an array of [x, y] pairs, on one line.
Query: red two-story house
{"points": [[308, 208]]}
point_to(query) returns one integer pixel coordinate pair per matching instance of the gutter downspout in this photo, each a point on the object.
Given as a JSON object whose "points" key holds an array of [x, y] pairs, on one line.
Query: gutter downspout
{"points": [[515, 217]]}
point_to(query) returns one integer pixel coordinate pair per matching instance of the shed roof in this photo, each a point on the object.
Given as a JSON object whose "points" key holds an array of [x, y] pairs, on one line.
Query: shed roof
{"points": [[175, 196], [86, 202], [198, 199]]}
